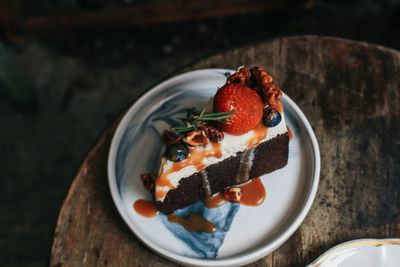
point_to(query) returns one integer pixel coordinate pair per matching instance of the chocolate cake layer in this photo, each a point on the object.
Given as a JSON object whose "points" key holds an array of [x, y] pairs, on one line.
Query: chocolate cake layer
{"points": [[266, 157]]}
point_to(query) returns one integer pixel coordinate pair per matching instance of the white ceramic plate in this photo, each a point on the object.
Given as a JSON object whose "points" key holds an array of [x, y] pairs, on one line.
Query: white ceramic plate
{"points": [[362, 252], [244, 234]]}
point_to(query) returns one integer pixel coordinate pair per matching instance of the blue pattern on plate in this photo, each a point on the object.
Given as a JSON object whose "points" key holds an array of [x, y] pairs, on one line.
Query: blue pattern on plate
{"points": [[204, 245]]}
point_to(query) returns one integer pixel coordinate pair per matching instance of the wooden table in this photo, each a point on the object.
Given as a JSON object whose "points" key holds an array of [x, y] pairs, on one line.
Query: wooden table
{"points": [[349, 91]]}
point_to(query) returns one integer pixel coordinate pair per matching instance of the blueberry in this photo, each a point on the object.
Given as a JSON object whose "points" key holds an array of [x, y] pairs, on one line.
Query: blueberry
{"points": [[177, 152], [271, 118]]}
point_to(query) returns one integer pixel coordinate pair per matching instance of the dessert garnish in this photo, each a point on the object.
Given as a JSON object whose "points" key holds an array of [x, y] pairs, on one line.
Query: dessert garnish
{"points": [[272, 117], [247, 104], [270, 93], [233, 194], [148, 180], [177, 151], [196, 138], [195, 120]]}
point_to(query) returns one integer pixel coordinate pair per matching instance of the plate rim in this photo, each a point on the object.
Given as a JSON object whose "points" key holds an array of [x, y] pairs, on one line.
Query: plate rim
{"points": [[351, 244], [229, 261]]}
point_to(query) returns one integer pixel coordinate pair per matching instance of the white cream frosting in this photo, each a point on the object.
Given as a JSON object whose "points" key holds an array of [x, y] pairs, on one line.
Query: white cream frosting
{"points": [[230, 146]]}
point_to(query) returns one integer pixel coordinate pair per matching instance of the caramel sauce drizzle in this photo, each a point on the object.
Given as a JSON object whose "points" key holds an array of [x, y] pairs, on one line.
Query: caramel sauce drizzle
{"points": [[290, 133], [214, 201], [278, 107], [194, 222], [259, 134], [261, 131], [253, 194], [160, 193], [146, 208], [195, 158]]}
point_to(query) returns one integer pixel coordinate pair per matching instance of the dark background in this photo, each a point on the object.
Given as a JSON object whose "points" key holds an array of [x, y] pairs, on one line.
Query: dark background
{"points": [[81, 77]]}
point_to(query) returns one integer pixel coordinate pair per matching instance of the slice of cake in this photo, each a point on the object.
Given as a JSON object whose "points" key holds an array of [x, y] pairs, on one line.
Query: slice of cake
{"points": [[240, 135]]}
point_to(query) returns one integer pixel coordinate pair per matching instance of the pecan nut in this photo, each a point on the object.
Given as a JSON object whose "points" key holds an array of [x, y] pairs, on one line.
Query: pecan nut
{"points": [[196, 138], [242, 76], [233, 194], [213, 133], [148, 180], [270, 93]]}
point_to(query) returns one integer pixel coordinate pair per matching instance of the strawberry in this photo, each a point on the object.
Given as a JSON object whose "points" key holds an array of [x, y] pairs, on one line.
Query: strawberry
{"points": [[247, 104]]}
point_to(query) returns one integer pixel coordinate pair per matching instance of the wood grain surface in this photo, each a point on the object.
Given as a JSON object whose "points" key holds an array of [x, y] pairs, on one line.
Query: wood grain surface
{"points": [[349, 91]]}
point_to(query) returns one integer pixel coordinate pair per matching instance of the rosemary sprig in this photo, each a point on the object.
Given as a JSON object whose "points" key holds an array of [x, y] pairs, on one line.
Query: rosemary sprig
{"points": [[194, 120]]}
